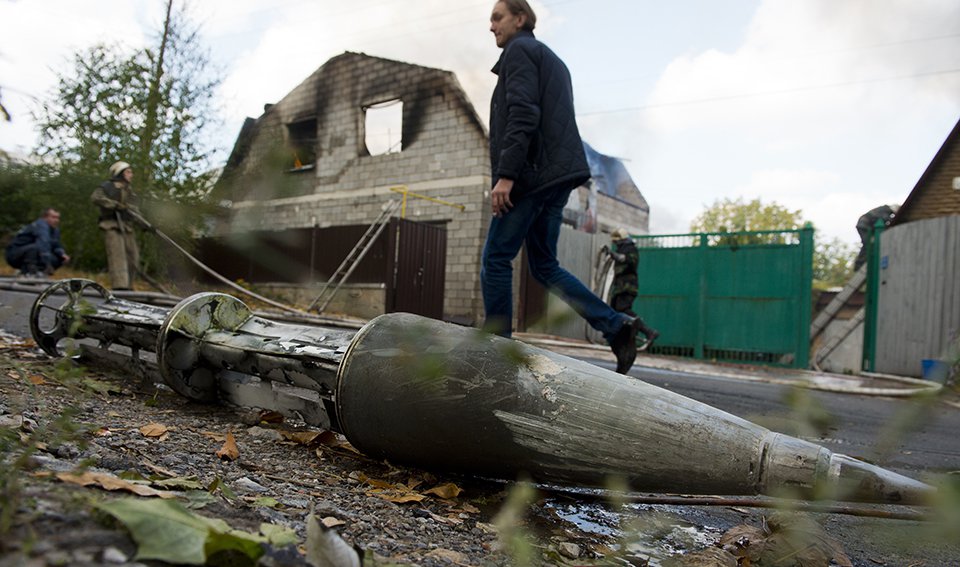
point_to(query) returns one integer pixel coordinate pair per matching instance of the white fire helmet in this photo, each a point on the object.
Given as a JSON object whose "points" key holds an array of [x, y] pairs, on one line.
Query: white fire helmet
{"points": [[117, 168]]}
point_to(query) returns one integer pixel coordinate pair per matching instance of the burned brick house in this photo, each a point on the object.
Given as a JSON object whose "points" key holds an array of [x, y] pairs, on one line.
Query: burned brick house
{"points": [[310, 164]]}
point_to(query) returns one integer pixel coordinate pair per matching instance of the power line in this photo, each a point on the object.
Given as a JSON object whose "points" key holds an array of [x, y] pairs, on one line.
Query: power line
{"points": [[764, 93], [588, 84]]}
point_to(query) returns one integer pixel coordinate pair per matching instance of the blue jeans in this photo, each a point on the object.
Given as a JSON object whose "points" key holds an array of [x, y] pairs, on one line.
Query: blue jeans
{"points": [[31, 258], [536, 219]]}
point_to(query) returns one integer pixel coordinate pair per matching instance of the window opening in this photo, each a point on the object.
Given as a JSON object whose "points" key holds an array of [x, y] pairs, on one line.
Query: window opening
{"points": [[383, 127], [302, 143]]}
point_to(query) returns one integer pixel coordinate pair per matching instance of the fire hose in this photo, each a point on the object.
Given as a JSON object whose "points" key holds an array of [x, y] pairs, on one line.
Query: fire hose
{"points": [[210, 270]]}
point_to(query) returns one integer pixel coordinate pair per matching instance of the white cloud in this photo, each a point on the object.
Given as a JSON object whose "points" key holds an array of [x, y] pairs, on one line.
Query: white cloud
{"points": [[819, 108]]}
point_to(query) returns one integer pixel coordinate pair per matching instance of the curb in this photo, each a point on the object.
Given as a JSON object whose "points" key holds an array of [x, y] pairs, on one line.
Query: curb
{"points": [[836, 383]]}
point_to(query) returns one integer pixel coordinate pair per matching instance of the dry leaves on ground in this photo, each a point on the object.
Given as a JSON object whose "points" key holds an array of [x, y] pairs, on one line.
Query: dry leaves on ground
{"points": [[111, 482], [229, 451]]}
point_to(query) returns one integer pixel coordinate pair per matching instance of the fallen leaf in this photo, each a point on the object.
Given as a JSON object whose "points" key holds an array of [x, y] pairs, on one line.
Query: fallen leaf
{"points": [[384, 484], [229, 451], [470, 509], [399, 498], [301, 437], [179, 483], [196, 499], [266, 502], [110, 482], [166, 531], [278, 536], [101, 387], [37, 380], [328, 438], [154, 430], [446, 491], [219, 437], [331, 522]]}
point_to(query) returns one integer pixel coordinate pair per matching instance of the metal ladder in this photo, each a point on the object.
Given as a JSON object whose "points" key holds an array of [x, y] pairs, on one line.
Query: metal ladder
{"points": [[830, 311], [349, 264]]}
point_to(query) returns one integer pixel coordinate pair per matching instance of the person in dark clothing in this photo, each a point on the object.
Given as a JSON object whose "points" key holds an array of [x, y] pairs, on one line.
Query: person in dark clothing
{"points": [[36, 249], [865, 226], [536, 159], [625, 286]]}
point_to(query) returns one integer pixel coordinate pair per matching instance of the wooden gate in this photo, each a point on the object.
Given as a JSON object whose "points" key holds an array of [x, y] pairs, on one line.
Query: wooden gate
{"points": [[416, 271]]}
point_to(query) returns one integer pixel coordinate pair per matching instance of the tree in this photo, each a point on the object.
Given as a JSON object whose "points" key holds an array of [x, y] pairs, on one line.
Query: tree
{"points": [[149, 107], [832, 260], [731, 215]]}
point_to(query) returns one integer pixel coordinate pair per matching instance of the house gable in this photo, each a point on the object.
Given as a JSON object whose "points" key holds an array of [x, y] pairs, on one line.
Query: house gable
{"points": [[937, 193]]}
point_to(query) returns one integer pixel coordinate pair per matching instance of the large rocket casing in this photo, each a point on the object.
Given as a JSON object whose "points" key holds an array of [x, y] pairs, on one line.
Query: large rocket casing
{"points": [[439, 396], [435, 395]]}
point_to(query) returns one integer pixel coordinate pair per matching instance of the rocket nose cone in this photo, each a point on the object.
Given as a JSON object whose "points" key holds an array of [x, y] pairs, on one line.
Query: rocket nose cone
{"points": [[860, 481]]}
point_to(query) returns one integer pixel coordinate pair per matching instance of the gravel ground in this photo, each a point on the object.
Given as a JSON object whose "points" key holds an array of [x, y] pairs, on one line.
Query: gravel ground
{"points": [[58, 420], [274, 479]]}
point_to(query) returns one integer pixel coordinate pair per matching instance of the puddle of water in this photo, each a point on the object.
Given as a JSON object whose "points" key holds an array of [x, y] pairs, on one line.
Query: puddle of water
{"points": [[640, 532]]}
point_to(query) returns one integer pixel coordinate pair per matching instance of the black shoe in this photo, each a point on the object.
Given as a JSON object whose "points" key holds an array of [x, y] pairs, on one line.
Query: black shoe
{"points": [[651, 335], [624, 345]]}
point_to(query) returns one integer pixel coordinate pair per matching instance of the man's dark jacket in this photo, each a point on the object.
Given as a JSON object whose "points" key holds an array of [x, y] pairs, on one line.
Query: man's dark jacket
{"points": [[44, 237], [534, 138]]}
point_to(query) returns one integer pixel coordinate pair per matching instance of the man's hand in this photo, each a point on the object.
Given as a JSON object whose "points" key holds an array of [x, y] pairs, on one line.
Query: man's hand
{"points": [[605, 249], [66, 258], [500, 197]]}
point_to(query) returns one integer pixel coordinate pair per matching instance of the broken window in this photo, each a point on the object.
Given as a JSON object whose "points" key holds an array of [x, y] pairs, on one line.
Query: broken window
{"points": [[383, 127], [302, 142]]}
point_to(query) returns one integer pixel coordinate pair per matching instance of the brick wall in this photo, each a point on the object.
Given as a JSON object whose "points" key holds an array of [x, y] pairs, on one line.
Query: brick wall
{"points": [[444, 156], [935, 195]]}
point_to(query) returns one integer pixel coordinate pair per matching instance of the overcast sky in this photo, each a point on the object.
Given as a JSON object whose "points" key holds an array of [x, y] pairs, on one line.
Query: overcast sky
{"points": [[828, 106]]}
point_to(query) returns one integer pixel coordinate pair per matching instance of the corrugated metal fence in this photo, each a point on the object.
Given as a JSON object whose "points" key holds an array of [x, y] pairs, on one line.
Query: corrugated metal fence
{"points": [[737, 297], [918, 312]]}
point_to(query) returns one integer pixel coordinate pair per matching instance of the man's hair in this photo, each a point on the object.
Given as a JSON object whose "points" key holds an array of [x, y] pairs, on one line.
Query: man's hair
{"points": [[518, 7], [47, 211]]}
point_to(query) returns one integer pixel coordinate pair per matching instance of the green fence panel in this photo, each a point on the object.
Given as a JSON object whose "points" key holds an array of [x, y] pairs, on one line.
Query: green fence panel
{"points": [[739, 297]]}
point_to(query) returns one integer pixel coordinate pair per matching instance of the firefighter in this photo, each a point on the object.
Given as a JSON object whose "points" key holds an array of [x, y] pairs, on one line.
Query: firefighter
{"points": [[623, 250], [118, 216]]}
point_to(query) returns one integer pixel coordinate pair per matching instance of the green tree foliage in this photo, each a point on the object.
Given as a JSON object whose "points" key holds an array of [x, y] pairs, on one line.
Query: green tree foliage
{"points": [[736, 215], [26, 190], [832, 260], [149, 107]]}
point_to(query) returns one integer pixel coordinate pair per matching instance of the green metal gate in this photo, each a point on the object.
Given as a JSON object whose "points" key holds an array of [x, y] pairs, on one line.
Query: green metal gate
{"points": [[737, 297]]}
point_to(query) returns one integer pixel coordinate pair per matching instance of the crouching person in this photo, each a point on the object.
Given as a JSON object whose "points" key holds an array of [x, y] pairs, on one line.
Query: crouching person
{"points": [[36, 249]]}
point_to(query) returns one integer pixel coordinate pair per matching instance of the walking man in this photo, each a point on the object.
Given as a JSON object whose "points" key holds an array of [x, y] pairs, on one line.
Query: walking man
{"points": [[626, 261], [117, 201], [36, 250], [537, 159]]}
